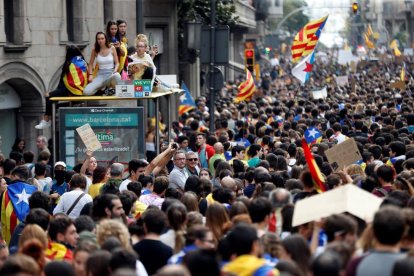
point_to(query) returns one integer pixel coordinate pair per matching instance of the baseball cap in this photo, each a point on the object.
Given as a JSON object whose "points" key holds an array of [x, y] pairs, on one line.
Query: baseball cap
{"points": [[60, 163]]}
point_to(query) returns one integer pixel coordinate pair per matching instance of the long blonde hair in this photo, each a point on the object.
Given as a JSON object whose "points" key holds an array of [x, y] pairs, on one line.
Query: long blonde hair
{"points": [[108, 228]]}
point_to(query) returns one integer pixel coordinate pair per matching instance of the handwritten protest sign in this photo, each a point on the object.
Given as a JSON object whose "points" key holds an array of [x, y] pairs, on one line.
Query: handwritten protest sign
{"points": [[342, 80], [343, 154], [348, 198], [89, 138], [320, 94]]}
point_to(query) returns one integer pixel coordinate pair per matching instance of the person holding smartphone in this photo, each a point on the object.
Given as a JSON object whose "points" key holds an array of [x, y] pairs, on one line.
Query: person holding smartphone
{"points": [[113, 35]]}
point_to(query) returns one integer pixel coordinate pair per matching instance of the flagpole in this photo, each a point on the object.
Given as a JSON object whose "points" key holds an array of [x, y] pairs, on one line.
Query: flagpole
{"points": [[212, 61]]}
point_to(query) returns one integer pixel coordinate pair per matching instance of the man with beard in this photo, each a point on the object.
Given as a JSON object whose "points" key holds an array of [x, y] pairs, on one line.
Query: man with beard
{"points": [[107, 206], [63, 239]]}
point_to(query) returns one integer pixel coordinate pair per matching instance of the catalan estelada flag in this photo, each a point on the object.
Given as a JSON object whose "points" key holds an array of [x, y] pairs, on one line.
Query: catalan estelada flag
{"points": [[187, 102], [313, 136], [317, 178], [15, 207], [307, 38], [76, 79], [246, 89], [58, 252]]}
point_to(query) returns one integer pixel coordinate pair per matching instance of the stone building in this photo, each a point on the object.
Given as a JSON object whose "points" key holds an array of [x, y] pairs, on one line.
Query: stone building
{"points": [[33, 39]]}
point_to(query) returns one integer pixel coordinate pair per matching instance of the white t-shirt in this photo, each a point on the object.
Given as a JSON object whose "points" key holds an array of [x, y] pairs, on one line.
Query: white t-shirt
{"points": [[147, 58], [66, 201]]}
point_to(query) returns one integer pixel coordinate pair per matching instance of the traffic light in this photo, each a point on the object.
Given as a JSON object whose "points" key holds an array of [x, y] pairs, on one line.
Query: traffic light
{"points": [[249, 59], [355, 7]]}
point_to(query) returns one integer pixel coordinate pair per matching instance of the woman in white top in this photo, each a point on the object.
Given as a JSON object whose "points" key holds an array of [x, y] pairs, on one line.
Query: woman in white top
{"points": [[146, 67], [107, 61]]}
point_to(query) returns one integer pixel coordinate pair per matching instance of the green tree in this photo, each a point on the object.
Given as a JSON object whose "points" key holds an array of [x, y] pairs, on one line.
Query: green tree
{"points": [[200, 10]]}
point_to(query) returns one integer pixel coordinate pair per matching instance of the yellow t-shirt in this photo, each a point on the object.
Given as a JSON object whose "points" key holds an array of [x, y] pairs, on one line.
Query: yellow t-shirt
{"points": [[139, 209], [95, 189]]}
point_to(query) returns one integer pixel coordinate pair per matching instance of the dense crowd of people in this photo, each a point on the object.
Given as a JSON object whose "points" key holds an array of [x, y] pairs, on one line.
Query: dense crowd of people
{"points": [[221, 202]]}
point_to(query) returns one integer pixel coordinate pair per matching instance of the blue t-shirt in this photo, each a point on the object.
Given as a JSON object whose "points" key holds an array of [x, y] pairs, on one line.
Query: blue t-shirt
{"points": [[203, 159], [60, 189]]}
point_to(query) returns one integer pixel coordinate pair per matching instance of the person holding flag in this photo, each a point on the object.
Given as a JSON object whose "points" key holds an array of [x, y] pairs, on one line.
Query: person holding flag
{"points": [[73, 80], [312, 178], [15, 201]]}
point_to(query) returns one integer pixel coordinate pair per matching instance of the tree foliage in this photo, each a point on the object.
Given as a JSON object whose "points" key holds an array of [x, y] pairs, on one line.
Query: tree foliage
{"points": [[295, 22], [189, 10], [200, 10]]}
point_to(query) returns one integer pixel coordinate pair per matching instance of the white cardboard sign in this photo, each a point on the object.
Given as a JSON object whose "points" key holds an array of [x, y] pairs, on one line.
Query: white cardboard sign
{"points": [[348, 198], [89, 137]]}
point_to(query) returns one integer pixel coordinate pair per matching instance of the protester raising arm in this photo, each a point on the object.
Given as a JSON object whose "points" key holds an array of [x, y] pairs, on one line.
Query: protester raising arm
{"points": [[86, 163], [159, 162]]}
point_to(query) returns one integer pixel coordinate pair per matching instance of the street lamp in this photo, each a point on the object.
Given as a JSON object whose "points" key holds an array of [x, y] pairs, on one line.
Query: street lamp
{"points": [[408, 5], [193, 32], [192, 40]]}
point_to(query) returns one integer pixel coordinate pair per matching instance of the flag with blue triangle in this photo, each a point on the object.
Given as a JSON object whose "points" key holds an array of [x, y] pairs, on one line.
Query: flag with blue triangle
{"points": [[313, 136], [15, 207], [187, 102]]}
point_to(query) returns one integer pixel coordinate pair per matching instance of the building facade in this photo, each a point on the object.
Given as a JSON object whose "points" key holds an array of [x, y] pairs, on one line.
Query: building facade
{"points": [[33, 39]]}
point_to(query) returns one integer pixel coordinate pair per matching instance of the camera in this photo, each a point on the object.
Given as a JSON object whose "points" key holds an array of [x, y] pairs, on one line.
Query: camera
{"points": [[174, 146]]}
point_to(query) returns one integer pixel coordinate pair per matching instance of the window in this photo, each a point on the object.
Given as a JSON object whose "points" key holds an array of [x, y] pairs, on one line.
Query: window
{"points": [[74, 21], [70, 20], [9, 20], [108, 15]]}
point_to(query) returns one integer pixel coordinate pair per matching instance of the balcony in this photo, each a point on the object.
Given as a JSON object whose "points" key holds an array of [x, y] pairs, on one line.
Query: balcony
{"points": [[246, 14]]}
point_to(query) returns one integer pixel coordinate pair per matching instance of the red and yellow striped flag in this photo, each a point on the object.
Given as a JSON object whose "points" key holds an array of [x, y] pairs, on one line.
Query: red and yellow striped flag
{"points": [[58, 252], [307, 38], [246, 89], [9, 219], [318, 180]]}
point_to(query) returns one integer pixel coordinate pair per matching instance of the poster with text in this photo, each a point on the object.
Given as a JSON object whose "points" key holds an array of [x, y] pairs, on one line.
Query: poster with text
{"points": [[120, 131]]}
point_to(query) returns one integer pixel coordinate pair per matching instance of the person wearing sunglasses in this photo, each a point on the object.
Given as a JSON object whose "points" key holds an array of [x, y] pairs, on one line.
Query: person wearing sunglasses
{"points": [[191, 165]]}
